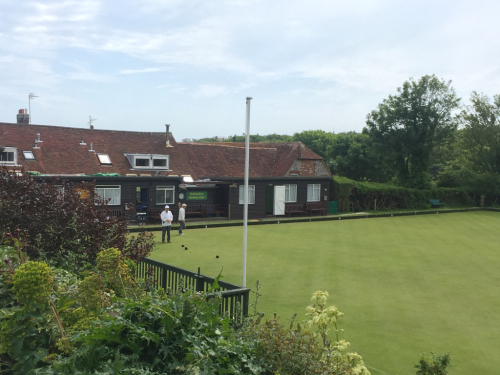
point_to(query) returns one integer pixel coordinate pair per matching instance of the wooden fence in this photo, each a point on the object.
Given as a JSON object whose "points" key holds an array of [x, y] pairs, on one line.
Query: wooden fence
{"points": [[169, 277]]}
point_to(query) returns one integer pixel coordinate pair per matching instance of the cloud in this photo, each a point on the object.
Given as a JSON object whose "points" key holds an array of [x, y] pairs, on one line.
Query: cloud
{"points": [[81, 73], [324, 58], [208, 91], [140, 71]]}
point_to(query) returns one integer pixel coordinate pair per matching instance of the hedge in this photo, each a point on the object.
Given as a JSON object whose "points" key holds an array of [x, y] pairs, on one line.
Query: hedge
{"points": [[362, 196]]}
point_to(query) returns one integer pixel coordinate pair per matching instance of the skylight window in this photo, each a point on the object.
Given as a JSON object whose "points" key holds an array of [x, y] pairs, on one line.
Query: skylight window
{"points": [[28, 155], [104, 158]]}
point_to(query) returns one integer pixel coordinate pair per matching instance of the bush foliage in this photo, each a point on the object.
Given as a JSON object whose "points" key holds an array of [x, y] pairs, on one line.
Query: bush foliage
{"points": [[362, 195], [59, 225], [109, 324]]}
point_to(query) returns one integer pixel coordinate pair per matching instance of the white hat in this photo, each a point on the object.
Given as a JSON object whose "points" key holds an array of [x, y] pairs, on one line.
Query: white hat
{"points": [[184, 204], [167, 206]]}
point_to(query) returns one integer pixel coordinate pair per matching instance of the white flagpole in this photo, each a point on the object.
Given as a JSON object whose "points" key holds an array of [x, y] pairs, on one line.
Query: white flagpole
{"points": [[245, 194]]}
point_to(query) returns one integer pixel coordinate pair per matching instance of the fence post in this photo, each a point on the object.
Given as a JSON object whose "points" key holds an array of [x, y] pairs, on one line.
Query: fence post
{"points": [[246, 300], [200, 283], [164, 279]]}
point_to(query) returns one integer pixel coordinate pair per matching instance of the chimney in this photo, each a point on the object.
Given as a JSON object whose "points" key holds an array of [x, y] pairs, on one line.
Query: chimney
{"points": [[167, 144], [23, 117]]}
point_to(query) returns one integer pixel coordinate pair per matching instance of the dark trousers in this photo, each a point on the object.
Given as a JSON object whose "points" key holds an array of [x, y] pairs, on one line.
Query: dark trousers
{"points": [[164, 229], [182, 225]]}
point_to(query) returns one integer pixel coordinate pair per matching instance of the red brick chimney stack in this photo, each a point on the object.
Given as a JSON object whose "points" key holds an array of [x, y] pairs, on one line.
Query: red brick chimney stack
{"points": [[23, 117]]}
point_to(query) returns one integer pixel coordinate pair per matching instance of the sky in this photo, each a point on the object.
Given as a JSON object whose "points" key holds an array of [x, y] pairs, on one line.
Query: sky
{"points": [[316, 64]]}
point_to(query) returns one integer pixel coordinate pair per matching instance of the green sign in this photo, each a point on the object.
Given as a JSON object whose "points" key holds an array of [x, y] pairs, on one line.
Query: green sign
{"points": [[196, 195]]}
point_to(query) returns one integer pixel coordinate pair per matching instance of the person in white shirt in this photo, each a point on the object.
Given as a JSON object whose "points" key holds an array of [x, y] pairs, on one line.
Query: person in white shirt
{"points": [[182, 218], [166, 222]]}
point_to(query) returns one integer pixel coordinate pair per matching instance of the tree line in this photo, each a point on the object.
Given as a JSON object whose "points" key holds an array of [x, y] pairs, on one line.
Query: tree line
{"points": [[422, 136]]}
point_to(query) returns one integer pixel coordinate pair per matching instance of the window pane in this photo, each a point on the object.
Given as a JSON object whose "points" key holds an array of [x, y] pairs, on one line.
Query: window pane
{"points": [[104, 158], [28, 155], [159, 162], [313, 192], [160, 196], [251, 194], [169, 196], [114, 196], [290, 193], [7, 156], [110, 194], [141, 162], [165, 194]]}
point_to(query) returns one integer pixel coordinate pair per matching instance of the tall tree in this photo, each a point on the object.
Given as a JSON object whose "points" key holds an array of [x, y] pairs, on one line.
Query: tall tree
{"points": [[406, 127], [350, 155], [316, 140], [481, 133]]}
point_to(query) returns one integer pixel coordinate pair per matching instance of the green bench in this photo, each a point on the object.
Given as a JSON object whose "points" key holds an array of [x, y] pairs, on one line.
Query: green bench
{"points": [[436, 203]]}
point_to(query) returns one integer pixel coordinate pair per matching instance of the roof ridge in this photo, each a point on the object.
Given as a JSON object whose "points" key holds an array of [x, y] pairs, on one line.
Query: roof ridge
{"points": [[227, 146]]}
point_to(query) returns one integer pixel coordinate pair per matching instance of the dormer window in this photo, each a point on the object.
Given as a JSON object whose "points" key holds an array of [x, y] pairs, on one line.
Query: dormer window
{"points": [[104, 159], [8, 156], [141, 162], [148, 161], [28, 155], [159, 163]]}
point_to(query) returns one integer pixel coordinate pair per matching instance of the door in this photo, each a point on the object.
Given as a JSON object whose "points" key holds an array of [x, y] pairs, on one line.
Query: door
{"points": [[279, 200], [269, 208]]}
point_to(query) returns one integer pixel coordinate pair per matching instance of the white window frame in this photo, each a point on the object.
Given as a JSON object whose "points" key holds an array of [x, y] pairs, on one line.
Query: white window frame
{"points": [[151, 160], [165, 188], [312, 190], [104, 159], [288, 192], [29, 155], [251, 194], [115, 200], [12, 150]]}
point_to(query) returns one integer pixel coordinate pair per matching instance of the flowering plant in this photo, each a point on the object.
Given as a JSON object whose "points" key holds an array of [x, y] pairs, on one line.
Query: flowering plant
{"points": [[183, 187], [234, 185]]}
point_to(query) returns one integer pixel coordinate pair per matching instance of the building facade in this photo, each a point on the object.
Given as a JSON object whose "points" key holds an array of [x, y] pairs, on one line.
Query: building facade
{"points": [[147, 170]]}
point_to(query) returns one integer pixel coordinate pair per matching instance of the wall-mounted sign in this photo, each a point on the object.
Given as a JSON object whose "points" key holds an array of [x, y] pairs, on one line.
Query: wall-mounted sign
{"points": [[196, 195]]}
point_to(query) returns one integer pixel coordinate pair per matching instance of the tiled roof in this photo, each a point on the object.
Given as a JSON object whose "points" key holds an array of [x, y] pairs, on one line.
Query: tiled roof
{"points": [[216, 159], [61, 152]]}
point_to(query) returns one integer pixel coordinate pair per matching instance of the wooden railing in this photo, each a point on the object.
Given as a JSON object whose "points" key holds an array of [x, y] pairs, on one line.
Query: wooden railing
{"points": [[170, 277]]}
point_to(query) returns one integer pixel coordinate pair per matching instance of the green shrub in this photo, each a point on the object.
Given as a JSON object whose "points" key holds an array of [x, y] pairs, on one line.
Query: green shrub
{"points": [[64, 229], [180, 335], [298, 350], [436, 365], [33, 283], [363, 196]]}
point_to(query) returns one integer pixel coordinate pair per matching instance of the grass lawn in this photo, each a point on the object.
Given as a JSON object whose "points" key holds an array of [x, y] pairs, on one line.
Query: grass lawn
{"points": [[407, 285]]}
